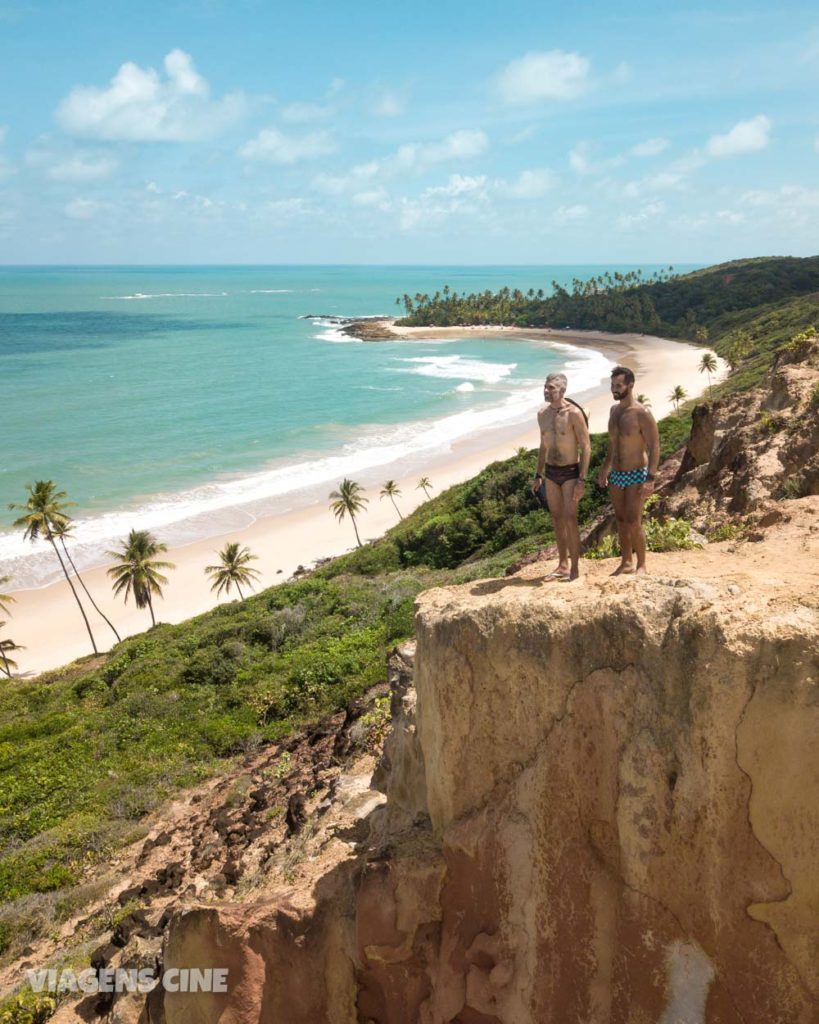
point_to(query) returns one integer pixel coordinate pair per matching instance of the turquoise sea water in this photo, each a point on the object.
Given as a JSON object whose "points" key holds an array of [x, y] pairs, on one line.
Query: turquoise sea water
{"points": [[168, 397]]}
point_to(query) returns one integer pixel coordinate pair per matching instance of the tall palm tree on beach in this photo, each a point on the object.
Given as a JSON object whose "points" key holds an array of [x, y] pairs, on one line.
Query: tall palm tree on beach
{"points": [[233, 569], [63, 530], [425, 485], [45, 509], [677, 395], [708, 365], [348, 500], [137, 569], [390, 490]]}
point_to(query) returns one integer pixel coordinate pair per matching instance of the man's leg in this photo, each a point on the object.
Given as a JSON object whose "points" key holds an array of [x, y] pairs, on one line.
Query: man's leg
{"points": [[634, 517], [572, 529], [618, 500], [554, 498]]}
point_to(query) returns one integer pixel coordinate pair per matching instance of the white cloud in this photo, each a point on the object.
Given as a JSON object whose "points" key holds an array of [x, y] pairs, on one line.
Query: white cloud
{"points": [[461, 196], [83, 167], [651, 147], [82, 209], [787, 195], [139, 104], [549, 75], [730, 216], [151, 186], [335, 184], [459, 145], [570, 214], [579, 158], [378, 198], [299, 113], [273, 146], [641, 217], [458, 185], [745, 137], [389, 104], [531, 184], [285, 209]]}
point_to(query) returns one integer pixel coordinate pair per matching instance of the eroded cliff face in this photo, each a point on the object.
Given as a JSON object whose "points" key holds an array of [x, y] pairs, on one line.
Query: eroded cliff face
{"points": [[601, 808]]}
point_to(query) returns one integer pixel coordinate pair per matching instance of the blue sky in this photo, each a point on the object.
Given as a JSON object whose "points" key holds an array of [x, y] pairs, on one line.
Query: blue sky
{"points": [[448, 132]]}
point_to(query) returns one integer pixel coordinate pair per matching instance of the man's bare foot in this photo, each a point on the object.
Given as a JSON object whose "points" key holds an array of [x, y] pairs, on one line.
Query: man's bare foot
{"points": [[560, 573], [624, 569], [641, 570]]}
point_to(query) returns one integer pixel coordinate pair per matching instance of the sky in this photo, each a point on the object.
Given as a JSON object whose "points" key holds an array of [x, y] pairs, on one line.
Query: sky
{"points": [[242, 131]]}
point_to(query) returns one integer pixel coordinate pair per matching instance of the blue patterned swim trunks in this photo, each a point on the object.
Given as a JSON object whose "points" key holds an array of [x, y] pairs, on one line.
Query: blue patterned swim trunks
{"points": [[627, 477]]}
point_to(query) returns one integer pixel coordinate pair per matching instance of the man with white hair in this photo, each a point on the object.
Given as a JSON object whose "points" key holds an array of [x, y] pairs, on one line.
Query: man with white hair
{"points": [[562, 465]]}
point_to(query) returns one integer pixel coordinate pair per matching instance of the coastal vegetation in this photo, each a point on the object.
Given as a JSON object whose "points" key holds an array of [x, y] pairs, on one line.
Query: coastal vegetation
{"points": [[44, 513], [678, 394], [425, 486], [233, 569], [746, 309], [348, 500], [136, 569], [392, 491]]}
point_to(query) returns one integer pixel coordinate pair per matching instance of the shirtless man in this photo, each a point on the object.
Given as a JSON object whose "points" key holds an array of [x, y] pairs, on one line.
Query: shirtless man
{"points": [[563, 433], [629, 468]]}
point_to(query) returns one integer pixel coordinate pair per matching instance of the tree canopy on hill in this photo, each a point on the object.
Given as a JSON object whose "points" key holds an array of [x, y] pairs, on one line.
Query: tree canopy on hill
{"points": [[685, 305]]}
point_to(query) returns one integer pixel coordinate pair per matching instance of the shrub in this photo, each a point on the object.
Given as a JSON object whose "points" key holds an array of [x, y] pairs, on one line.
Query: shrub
{"points": [[725, 531], [28, 1008], [208, 667]]}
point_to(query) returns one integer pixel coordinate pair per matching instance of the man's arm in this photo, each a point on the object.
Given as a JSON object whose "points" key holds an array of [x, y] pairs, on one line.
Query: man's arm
{"points": [[541, 456], [581, 434], [651, 436], [603, 475]]}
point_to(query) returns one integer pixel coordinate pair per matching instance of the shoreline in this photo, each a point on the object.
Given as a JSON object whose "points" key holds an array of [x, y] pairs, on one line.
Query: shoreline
{"points": [[304, 535]]}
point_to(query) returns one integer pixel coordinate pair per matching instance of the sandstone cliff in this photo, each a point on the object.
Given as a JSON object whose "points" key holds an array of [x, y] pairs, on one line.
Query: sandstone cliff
{"points": [[601, 807]]}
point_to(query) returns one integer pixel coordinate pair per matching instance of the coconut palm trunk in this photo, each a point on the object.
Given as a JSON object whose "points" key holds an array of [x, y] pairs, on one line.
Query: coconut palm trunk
{"points": [[396, 507], [151, 609], [73, 591], [88, 592], [356, 530], [6, 667]]}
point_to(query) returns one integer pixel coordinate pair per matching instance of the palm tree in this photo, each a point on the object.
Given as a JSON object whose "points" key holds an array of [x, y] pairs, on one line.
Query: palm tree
{"points": [[5, 647], [390, 490], [348, 500], [44, 510], [63, 530], [425, 484], [644, 400], [677, 395], [5, 601], [738, 348], [708, 365], [137, 569], [233, 569]]}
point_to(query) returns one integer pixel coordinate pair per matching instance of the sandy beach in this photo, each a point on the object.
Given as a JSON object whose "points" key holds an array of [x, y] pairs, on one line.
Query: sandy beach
{"points": [[47, 623]]}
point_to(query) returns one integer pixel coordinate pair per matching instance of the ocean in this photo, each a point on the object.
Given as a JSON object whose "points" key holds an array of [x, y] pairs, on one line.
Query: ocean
{"points": [[191, 400]]}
